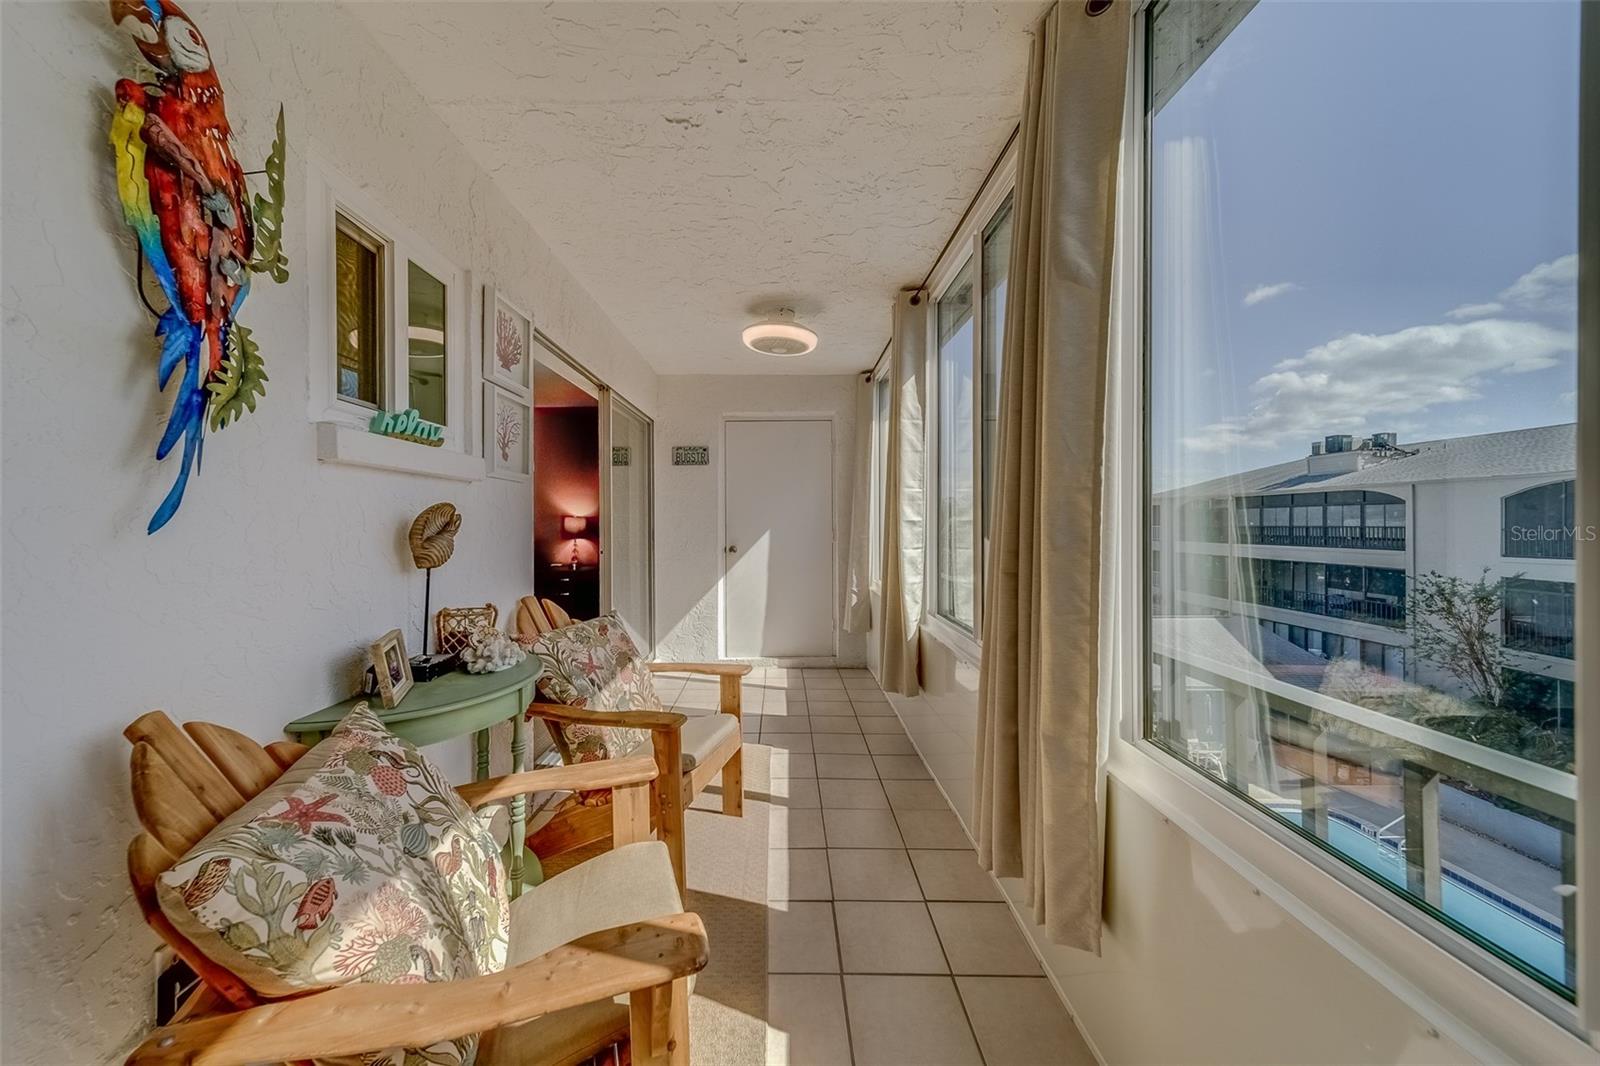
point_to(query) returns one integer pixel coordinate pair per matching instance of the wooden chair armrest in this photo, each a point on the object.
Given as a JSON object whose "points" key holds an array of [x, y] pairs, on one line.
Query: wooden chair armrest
{"points": [[558, 712], [364, 1017], [605, 773], [714, 669]]}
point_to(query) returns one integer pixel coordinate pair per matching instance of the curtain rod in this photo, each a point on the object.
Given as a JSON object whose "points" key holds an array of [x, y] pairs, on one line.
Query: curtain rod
{"points": [[962, 221]]}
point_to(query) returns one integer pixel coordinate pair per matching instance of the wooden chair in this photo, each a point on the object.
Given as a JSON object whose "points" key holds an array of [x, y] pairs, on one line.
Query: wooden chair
{"points": [[183, 785], [710, 745], [531, 619], [557, 616]]}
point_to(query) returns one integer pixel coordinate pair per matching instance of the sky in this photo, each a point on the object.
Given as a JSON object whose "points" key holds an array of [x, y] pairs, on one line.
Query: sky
{"points": [[1364, 218]]}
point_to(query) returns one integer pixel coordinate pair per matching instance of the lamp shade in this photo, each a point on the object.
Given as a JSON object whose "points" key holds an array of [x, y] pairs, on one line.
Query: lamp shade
{"points": [[573, 525]]}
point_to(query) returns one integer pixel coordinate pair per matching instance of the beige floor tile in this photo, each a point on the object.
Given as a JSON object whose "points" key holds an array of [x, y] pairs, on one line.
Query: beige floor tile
{"points": [[816, 671], [983, 938], [795, 792], [788, 828], [839, 743], [832, 764], [826, 697], [788, 742], [888, 938], [784, 723], [890, 744], [793, 764], [750, 725], [800, 938], [901, 767], [806, 1023], [932, 829], [777, 703], [841, 723], [852, 795], [795, 873], [915, 796], [868, 709], [855, 671], [872, 873], [887, 723], [953, 875], [861, 829], [899, 1020], [832, 680], [861, 682], [1020, 1021]]}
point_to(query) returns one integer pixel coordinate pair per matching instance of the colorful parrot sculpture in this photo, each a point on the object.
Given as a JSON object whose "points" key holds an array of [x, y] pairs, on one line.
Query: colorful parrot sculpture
{"points": [[183, 193]]}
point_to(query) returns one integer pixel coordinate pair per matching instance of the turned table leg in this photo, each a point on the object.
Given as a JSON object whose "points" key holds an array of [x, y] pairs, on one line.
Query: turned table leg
{"points": [[519, 806]]}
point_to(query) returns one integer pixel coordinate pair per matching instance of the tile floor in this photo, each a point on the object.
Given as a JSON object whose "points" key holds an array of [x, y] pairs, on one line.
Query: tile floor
{"points": [[886, 941]]}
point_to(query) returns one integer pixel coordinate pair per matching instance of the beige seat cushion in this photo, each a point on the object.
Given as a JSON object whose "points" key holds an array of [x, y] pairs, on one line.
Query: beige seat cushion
{"points": [[629, 884], [701, 735]]}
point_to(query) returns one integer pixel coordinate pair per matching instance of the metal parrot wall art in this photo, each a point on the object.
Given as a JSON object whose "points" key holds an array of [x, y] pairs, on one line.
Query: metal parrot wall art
{"points": [[198, 228]]}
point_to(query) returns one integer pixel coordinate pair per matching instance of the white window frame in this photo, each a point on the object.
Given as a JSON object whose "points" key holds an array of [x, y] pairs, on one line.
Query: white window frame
{"points": [[329, 195], [967, 243], [1472, 998]]}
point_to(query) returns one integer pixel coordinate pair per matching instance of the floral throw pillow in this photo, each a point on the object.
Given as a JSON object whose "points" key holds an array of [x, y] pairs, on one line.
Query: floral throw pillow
{"points": [[360, 863], [595, 665]]}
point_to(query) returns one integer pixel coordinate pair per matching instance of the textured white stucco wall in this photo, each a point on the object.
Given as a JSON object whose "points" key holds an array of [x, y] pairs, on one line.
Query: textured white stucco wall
{"points": [[689, 547], [254, 604]]}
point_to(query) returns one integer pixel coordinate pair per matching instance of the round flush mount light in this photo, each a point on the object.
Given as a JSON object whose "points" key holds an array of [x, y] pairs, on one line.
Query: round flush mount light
{"points": [[780, 335]]}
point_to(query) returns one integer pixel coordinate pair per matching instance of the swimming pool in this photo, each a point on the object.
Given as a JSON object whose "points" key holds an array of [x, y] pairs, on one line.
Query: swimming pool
{"points": [[1511, 932]]}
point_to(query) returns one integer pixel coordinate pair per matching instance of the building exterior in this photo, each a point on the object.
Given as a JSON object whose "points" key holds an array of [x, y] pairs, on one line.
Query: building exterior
{"points": [[1323, 550]]}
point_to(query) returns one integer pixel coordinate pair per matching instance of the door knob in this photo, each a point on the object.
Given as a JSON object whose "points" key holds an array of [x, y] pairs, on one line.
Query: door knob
{"points": [[732, 548]]}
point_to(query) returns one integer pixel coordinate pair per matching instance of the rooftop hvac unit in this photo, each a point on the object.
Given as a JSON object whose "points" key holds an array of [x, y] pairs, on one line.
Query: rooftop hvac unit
{"points": [[1337, 442], [1385, 440], [1316, 447]]}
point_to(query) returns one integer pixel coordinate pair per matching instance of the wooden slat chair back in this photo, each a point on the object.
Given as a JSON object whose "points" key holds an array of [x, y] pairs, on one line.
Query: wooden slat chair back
{"points": [[185, 782]]}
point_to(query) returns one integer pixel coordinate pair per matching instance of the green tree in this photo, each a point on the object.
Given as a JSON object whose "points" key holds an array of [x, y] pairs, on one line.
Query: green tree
{"points": [[1454, 625]]}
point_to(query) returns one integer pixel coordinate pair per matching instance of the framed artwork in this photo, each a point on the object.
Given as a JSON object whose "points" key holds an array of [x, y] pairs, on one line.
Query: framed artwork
{"points": [[507, 343], [391, 666], [507, 433]]}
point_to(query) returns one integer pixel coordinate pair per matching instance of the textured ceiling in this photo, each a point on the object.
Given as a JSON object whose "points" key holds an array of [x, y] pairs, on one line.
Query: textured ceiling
{"points": [[698, 164]]}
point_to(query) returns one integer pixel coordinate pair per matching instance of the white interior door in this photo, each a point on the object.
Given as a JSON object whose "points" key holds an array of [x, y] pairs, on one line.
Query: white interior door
{"points": [[778, 580]]}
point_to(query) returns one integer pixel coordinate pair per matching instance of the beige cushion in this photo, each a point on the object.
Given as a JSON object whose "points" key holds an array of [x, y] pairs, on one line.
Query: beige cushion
{"points": [[701, 735], [629, 884]]}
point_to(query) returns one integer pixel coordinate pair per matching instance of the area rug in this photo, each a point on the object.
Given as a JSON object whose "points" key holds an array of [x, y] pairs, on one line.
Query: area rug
{"points": [[727, 859]]}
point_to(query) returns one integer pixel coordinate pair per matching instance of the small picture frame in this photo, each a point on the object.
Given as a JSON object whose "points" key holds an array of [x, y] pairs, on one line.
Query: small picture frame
{"points": [[507, 433], [507, 343], [392, 667]]}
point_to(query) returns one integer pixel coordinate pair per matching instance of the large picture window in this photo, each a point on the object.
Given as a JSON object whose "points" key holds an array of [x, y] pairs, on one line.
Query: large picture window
{"points": [[1358, 344]]}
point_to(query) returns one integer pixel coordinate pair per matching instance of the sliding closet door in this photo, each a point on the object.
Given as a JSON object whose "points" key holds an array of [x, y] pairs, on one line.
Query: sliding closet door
{"points": [[629, 537]]}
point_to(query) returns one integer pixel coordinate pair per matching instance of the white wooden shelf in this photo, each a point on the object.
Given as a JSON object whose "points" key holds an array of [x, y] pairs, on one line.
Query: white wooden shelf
{"points": [[337, 443]]}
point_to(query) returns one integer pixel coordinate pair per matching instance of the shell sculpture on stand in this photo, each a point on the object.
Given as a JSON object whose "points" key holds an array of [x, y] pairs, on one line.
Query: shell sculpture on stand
{"points": [[433, 536], [490, 650]]}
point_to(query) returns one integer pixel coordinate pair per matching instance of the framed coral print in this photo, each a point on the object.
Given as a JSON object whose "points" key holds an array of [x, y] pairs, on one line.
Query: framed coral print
{"points": [[507, 343], [507, 428]]}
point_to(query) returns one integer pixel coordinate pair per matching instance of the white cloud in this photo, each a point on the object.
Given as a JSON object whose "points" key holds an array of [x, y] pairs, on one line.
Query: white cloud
{"points": [[1267, 292], [1551, 286], [1476, 310], [1567, 402], [1353, 383]]}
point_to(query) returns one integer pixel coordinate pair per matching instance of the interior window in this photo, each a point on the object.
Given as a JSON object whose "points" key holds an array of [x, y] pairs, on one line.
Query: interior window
{"points": [[425, 340], [358, 288], [1351, 323]]}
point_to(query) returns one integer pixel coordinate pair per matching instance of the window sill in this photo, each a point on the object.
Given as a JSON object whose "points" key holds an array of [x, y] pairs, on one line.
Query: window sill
{"points": [[961, 643], [1466, 1006], [338, 443]]}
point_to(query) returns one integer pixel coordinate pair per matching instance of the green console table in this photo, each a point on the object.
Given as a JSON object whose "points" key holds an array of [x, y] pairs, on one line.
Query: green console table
{"points": [[451, 706]]}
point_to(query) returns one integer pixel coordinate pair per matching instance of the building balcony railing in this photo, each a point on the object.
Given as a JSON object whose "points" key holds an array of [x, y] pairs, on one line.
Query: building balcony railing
{"points": [[1378, 538], [1539, 639], [1335, 605]]}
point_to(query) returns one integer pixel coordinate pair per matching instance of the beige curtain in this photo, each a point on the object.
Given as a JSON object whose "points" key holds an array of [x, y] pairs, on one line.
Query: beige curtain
{"points": [[857, 595], [904, 535], [1038, 736]]}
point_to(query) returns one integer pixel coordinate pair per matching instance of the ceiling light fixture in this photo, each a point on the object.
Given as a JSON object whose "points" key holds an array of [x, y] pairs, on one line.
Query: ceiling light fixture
{"points": [[780, 335]]}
